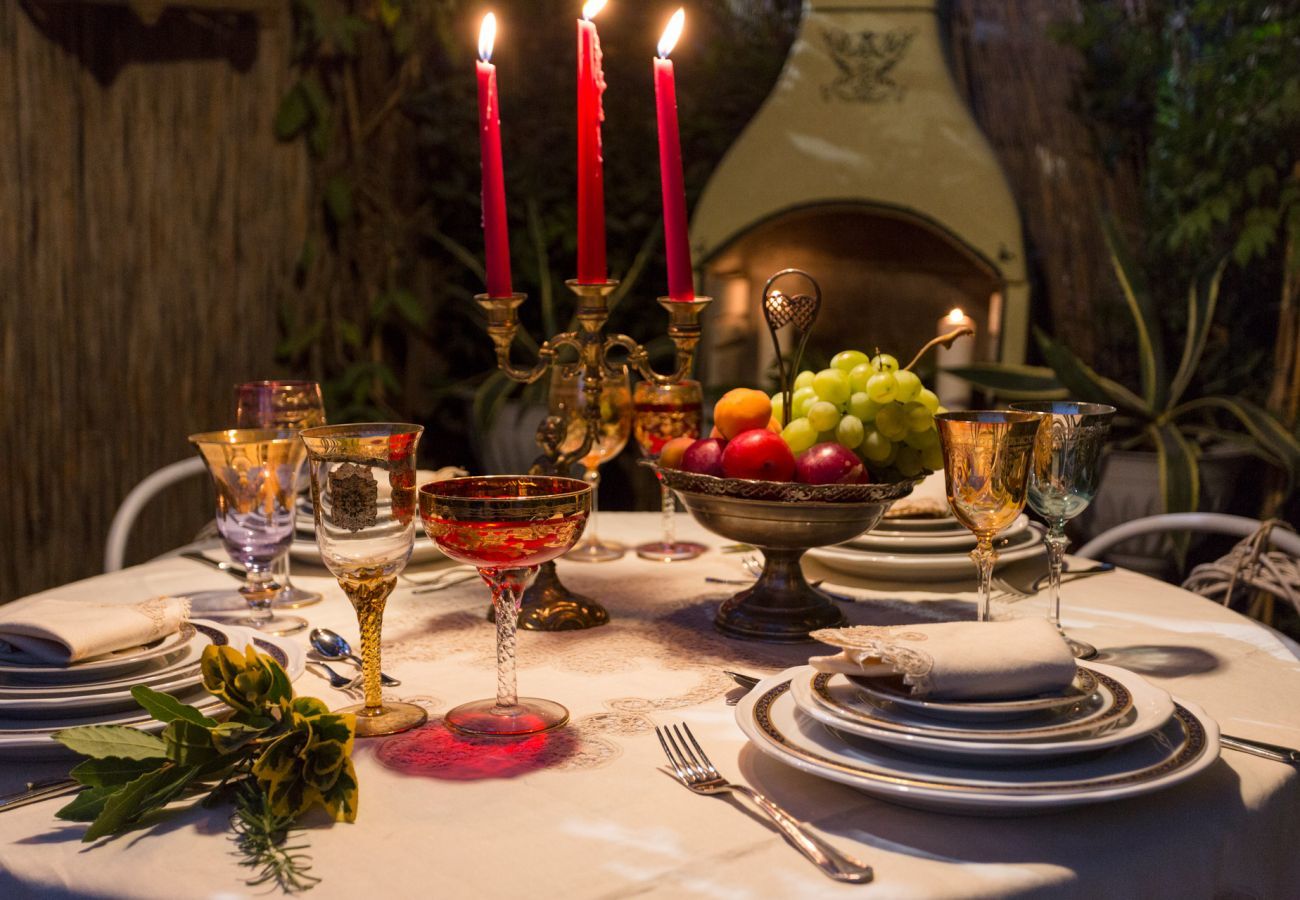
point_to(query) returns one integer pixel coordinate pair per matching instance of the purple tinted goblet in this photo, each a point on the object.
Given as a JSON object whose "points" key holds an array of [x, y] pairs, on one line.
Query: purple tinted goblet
{"points": [[255, 473]]}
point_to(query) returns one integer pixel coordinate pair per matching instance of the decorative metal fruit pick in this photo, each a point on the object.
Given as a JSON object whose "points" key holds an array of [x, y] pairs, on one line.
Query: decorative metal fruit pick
{"points": [[800, 310]]}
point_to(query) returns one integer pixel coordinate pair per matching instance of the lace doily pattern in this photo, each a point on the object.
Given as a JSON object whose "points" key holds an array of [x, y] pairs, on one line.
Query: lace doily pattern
{"points": [[885, 644]]}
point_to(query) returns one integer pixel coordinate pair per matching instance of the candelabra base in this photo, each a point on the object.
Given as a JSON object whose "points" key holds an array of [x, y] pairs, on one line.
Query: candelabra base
{"points": [[550, 606]]}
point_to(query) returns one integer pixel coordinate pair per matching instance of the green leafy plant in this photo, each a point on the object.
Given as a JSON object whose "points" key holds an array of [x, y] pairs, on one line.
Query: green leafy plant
{"points": [[1160, 414], [277, 756]]}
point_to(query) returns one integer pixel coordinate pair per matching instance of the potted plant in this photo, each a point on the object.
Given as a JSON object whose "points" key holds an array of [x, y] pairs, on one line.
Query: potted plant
{"points": [[1165, 437]]}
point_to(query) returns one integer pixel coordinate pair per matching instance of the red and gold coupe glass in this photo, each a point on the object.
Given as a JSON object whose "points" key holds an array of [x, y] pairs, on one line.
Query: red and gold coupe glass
{"points": [[506, 526], [662, 412]]}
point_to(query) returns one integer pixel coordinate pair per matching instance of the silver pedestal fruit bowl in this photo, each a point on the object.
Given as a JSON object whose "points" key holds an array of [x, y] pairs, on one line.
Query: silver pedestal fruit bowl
{"points": [[782, 520]]}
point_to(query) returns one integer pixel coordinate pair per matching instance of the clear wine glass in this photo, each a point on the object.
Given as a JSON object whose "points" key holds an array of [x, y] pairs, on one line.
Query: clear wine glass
{"points": [[663, 412], [506, 526], [1067, 467], [363, 499], [569, 397], [292, 406], [987, 457], [255, 473]]}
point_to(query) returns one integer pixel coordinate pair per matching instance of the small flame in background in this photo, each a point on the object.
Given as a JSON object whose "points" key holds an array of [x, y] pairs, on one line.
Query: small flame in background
{"points": [[487, 35], [674, 30], [591, 7], [956, 317]]}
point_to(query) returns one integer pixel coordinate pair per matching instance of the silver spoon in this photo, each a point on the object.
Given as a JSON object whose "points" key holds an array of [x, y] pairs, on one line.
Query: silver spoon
{"points": [[334, 646]]}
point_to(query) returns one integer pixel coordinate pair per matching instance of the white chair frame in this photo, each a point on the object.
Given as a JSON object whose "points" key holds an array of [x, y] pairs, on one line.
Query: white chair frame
{"points": [[124, 519], [1240, 526]]}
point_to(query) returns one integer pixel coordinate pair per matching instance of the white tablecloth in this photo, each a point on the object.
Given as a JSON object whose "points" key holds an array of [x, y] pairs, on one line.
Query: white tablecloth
{"points": [[586, 812]]}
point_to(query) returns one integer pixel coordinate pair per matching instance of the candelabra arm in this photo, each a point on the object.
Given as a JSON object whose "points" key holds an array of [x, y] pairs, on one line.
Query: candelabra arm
{"points": [[503, 325], [683, 329]]}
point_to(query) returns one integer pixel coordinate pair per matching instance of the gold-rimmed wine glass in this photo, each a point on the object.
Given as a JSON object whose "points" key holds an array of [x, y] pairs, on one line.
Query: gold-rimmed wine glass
{"points": [[255, 473], [506, 526], [662, 412], [1067, 467], [569, 396], [987, 459], [292, 406], [363, 499]]}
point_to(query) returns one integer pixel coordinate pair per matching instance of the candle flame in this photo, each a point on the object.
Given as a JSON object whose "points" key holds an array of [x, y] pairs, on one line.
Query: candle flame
{"points": [[671, 33], [487, 35], [956, 317], [591, 7]]}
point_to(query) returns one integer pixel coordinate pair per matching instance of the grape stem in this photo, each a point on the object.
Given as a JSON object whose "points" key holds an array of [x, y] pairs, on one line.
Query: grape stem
{"points": [[944, 340]]}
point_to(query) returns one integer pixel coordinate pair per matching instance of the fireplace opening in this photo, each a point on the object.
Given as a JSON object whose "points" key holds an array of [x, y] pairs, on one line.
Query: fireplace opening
{"points": [[887, 276]]}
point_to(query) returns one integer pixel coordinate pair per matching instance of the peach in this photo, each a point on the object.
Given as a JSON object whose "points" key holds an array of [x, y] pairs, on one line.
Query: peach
{"points": [[740, 410], [670, 454]]}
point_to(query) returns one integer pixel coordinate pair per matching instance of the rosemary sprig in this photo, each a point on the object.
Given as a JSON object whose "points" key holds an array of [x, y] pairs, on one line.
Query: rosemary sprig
{"points": [[264, 841]]}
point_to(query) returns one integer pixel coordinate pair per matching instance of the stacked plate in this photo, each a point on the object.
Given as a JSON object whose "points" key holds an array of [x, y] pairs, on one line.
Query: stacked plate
{"points": [[1110, 735], [38, 700], [925, 549]]}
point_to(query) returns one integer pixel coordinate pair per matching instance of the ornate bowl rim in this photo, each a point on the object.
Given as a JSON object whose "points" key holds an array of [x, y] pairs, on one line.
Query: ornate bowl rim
{"points": [[782, 491]]}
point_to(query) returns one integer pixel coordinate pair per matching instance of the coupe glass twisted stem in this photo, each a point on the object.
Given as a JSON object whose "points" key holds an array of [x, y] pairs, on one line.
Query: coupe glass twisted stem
{"points": [[668, 514], [592, 477], [507, 590]]}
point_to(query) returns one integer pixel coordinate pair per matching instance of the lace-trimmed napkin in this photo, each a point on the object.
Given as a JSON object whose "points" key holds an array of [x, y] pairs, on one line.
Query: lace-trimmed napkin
{"points": [[955, 660], [61, 632]]}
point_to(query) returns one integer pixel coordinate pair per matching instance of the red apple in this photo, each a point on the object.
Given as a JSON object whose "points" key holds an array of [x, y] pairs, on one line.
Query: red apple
{"points": [[758, 454], [704, 457], [829, 463]]}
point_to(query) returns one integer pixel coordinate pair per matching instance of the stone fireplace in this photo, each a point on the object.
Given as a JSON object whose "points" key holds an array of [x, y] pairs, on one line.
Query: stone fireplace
{"points": [[865, 168]]}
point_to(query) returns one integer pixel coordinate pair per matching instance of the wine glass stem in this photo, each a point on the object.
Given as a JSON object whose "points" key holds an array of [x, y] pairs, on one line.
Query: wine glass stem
{"points": [[592, 477], [507, 593], [985, 557], [369, 598], [668, 514], [1056, 542], [258, 590]]}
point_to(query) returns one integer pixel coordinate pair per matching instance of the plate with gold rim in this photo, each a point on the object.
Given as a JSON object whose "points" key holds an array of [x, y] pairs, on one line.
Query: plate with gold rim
{"points": [[893, 690], [1185, 745], [907, 566], [1106, 706], [931, 542], [1150, 708]]}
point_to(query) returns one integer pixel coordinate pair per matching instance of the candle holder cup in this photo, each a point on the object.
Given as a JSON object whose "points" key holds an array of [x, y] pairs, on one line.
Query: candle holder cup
{"points": [[548, 605]]}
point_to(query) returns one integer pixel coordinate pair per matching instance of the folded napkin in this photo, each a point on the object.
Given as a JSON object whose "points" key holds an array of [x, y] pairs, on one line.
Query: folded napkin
{"points": [[64, 631], [955, 660], [929, 499]]}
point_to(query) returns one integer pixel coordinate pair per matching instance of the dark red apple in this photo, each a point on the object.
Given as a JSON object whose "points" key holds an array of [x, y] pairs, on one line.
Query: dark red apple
{"points": [[704, 457], [758, 454], [829, 463]]}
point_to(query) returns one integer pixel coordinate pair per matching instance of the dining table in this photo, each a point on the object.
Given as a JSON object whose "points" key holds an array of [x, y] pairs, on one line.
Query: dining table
{"points": [[592, 811]]}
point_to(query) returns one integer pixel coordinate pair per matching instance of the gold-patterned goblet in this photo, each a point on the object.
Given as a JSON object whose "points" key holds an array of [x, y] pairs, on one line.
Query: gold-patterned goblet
{"points": [[255, 472], [662, 412], [1067, 467], [987, 459], [506, 526], [569, 397], [363, 497], [291, 406]]}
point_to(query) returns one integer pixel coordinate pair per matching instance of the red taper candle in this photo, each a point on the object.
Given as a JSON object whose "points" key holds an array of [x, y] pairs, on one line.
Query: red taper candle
{"points": [[496, 234], [681, 283], [591, 178]]}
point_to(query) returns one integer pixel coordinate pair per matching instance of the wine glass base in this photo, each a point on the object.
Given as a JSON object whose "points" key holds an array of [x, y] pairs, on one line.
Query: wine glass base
{"points": [[1080, 649], [595, 552], [203, 603], [662, 551], [276, 625], [392, 717], [293, 597], [530, 715]]}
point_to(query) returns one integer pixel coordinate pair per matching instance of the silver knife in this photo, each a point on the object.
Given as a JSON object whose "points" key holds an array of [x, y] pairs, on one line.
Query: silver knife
{"points": [[38, 791]]}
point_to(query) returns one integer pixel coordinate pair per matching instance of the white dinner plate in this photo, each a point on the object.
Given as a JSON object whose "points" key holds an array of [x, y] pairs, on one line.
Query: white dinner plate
{"points": [[30, 739], [153, 673], [107, 665], [930, 543], [422, 551], [1109, 705], [1151, 708], [1186, 745], [892, 690], [922, 566]]}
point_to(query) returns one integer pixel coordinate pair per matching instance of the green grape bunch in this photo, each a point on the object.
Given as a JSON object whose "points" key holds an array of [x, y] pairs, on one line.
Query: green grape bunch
{"points": [[868, 404]]}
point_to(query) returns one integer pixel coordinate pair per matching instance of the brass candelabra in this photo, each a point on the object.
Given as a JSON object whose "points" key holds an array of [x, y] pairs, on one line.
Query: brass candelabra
{"points": [[548, 605]]}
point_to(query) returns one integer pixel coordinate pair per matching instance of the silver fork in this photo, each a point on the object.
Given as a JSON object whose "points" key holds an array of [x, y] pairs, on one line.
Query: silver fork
{"points": [[1006, 591], [693, 769]]}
